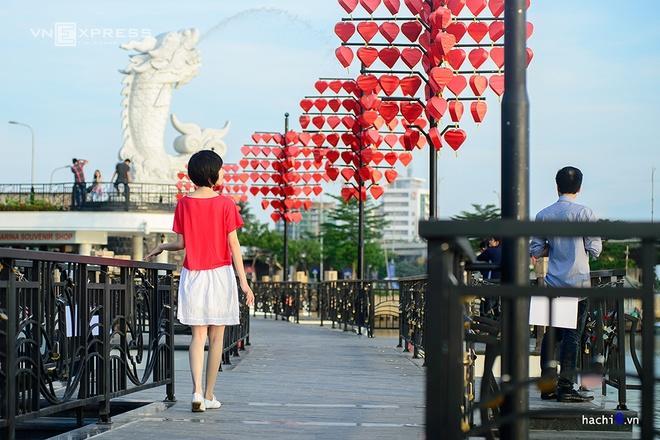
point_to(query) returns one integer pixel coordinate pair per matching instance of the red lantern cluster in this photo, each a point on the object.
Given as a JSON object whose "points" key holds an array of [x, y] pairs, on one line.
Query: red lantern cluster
{"points": [[435, 28], [284, 171], [234, 185], [345, 122]]}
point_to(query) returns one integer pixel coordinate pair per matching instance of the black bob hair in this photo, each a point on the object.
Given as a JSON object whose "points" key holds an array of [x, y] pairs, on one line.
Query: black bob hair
{"points": [[569, 180], [204, 167]]}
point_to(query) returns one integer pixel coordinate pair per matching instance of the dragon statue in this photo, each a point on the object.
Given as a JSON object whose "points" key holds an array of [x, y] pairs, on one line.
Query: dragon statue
{"points": [[159, 65]]}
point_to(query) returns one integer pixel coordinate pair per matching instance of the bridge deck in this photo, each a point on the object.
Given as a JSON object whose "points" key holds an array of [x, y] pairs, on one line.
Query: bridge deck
{"points": [[303, 382], [294, 382]]}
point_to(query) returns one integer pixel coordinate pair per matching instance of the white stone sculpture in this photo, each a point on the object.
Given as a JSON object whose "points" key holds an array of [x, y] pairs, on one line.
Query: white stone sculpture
{"points": [[158, 66]]}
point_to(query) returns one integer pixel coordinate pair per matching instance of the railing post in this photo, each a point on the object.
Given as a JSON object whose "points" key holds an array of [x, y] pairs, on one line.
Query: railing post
{"points": [[347, 304], [11, 370], [298, 290], [372, 311], [444, 353], [648, 339], [401, 308], [621, 354], [169, 335], [320, 293], [360, 314], [104, 406]]}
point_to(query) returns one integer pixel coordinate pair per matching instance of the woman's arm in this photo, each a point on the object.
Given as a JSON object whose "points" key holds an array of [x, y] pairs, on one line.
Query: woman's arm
{"points": [[177, 245], [235, 247]]}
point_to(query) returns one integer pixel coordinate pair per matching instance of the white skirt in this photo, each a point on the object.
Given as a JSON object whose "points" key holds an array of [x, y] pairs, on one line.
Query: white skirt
{"points": [[208, 297]]}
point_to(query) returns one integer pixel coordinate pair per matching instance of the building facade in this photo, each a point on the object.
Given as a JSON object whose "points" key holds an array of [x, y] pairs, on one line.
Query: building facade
{"points": [[404, 203]]}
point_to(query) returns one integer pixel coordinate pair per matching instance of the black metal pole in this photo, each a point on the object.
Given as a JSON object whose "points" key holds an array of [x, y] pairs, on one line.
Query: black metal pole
{"points": [[360, 254], [285, 264], [515, 205], [433, 175], [648, 339]]}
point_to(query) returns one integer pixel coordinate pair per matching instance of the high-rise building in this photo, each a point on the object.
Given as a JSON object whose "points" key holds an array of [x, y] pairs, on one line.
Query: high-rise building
{"points": [[312, 219], [404, 203]]}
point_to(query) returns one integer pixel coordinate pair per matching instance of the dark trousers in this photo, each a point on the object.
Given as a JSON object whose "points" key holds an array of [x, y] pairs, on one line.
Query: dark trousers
{"points": [[78, 194], [127, 190], [569, 340]]}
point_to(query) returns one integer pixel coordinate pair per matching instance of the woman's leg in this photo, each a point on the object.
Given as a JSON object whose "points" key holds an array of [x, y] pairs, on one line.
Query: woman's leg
{"points": [[216, 336], [196, 354]]}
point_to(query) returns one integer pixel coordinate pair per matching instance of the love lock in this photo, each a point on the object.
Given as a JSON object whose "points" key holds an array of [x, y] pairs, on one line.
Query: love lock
{"points": [[55, 355]]}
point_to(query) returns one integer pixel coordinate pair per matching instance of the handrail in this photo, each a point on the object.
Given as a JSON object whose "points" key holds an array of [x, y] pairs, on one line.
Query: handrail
{"points": [[439, 229], [21, 254]]}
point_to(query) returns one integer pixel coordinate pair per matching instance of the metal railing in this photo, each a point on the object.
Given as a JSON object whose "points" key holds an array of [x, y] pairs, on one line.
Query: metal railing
{"points": [[504, 407], [77, 331], [412, 291], [345, 303], [237, 337], [349, 303], [279, 298], [103, 196]]}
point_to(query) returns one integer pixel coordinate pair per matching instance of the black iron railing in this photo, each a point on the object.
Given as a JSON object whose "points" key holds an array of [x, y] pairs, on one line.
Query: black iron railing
{"points": [[346, 303], [279, 298], [411, 313], [103, 196], [237, 337], [78, 331], [445, 339]]}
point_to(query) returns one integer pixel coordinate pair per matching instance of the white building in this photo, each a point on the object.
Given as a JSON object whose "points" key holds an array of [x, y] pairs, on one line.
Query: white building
{"points": [[404, 203]]}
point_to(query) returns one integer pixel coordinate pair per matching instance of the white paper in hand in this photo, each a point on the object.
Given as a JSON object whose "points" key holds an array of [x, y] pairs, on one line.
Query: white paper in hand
{"points": [[564, 311]]}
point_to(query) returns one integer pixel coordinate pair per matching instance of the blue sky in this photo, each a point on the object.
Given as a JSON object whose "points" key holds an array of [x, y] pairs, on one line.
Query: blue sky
{"points": [[592, 84]]}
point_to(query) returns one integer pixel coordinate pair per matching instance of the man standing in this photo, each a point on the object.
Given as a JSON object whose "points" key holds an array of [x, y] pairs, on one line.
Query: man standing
{"points": [[490, 306], [568, 266], [123, 173], [78, 182]]}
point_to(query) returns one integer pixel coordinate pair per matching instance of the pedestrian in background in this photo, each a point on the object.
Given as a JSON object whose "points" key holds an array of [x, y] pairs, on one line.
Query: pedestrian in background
{"points": [[78, 193], [96, 191], [123, 174]]}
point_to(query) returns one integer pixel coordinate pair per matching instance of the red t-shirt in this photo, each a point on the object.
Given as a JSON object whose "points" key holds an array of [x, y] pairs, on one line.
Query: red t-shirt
{"points": [[205, 225]]}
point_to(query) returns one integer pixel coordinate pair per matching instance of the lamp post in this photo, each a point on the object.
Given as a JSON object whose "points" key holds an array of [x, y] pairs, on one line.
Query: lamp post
{"points": [[52, 173], [32, 167]]}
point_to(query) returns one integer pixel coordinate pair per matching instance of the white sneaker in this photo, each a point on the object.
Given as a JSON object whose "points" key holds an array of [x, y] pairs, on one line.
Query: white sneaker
{"points": [[212, 404], [198, 403]]}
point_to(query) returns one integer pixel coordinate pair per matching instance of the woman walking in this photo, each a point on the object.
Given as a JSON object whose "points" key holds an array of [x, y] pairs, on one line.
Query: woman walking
{"points": [[206, 224]]}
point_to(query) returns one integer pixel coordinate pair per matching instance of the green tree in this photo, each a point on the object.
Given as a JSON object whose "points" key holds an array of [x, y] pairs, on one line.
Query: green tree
{"points": [[613, 256], [479, 213], [252, 229], [340, 236], [304, 253]]}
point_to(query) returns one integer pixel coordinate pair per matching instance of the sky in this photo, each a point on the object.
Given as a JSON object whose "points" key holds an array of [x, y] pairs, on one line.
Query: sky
{"points": [[593, 88]]}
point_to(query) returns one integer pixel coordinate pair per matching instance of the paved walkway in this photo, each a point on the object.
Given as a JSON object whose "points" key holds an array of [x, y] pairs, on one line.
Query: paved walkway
{"points": [[295, 382], [302, 382]]}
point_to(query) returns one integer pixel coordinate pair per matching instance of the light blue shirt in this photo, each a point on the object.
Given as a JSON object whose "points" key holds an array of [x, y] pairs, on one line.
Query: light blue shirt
{"points": [[568, 264]]}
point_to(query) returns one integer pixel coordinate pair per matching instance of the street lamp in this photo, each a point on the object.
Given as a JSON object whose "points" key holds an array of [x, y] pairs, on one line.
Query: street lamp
{"points": [[32, 168], [52, 173]]}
